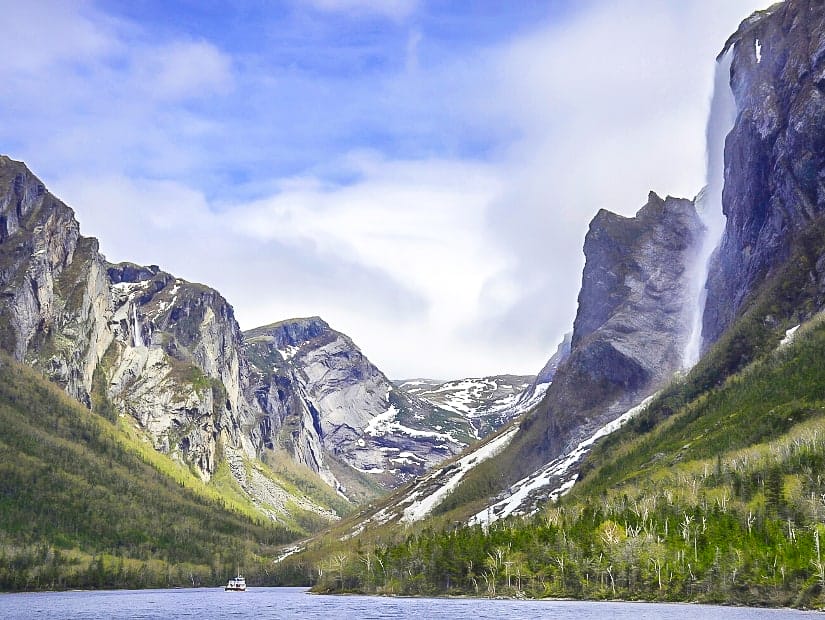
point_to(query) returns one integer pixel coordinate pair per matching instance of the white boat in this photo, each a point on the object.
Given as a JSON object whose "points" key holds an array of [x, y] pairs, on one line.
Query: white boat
{"points": [[236, 584]]}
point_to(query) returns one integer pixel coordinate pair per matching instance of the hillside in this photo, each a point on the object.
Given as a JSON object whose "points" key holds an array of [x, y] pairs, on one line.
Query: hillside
{"points": [[85, 501], [720, 501]]}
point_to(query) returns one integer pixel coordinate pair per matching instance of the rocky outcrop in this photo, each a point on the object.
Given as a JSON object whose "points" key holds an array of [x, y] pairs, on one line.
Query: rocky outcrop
{"points": [[176, 365], [774, 156], [633, 318], [54, 304], [631, 328], [335, 412]]}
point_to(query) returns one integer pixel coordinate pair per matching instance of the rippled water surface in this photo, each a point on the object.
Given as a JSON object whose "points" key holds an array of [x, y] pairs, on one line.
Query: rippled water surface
{"points": [[207, 603]]}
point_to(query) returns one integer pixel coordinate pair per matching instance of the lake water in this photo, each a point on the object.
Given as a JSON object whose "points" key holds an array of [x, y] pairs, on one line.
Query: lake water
{"points": [[208, 603]]}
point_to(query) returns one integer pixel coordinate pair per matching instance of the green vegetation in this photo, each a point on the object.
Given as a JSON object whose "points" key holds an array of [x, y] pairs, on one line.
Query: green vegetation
{"points": [[710, 496], [85, 502]]}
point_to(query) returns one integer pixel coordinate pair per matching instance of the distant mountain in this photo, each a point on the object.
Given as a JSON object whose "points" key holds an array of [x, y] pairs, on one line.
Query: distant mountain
{"points": [[335, 412], [487, 403]]}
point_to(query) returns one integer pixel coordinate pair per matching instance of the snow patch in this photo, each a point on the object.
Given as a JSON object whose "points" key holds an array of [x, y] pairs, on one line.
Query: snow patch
{"points": [[757, 46], [285, 553], [288, 352], [386, 424], [407, 458], [789, 336], [379, 425], [372, 469], [420, 508], [129, 287], [519, 492]]}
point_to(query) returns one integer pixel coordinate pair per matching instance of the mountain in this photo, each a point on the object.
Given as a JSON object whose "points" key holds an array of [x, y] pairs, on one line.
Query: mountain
{"points": [[630, 333], [338, 414], [123, 339], [169, 354]]}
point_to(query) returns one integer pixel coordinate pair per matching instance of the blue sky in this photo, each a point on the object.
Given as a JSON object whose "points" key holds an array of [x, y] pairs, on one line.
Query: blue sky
{"points": [[419, 173]]}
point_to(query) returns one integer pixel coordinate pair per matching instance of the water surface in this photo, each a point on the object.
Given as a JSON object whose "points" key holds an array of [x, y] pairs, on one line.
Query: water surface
{"points": [[208, 603]]}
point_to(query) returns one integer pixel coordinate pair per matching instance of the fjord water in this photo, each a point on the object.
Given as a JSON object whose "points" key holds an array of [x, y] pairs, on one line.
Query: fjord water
{"points": [[207, 603]]}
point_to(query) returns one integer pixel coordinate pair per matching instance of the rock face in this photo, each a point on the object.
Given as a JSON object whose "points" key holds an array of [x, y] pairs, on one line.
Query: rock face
{"points": [[775, 154], [175, 365], [53, 285], [335, 412], [129, 338], [630, 331]]}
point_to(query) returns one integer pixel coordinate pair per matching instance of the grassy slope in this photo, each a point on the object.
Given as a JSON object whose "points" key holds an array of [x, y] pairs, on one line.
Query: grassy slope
{"points": [[85, 502]]}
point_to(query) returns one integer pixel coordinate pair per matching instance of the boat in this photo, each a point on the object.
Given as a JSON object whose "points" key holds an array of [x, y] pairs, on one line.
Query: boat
{"points": [[236, 584]]}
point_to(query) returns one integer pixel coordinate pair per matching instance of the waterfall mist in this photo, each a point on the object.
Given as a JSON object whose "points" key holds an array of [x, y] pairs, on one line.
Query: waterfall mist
{"points": [[709, 201]]}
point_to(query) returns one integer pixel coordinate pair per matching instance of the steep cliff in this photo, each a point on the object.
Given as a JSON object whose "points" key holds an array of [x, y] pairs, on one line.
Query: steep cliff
{"points": [[175, 365], [54, 297], [335, 412], [631, 328], [774, 184], [132, 340]]}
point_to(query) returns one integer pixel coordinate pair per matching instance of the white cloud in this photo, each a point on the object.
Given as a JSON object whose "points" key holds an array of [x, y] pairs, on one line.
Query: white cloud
{"points": [[40, 35], [182, 70]]}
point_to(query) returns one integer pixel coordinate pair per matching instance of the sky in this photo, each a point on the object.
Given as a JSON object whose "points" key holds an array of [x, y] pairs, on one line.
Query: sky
{"points": [[419, 173]]}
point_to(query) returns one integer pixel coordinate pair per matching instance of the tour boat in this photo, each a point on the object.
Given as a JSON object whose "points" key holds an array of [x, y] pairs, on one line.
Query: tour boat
{"points": [[236, 584]]}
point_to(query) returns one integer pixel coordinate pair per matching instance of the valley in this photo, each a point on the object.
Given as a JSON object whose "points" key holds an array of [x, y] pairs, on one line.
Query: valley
{"points": [[670, 449]]}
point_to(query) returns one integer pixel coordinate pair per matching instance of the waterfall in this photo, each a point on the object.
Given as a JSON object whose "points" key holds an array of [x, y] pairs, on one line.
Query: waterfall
{"points": [[138, 337], [709, 201]]}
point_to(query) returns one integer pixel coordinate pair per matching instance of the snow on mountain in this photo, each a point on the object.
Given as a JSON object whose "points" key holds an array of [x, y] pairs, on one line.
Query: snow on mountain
{"points": [[552, 480], [488, 403]]}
